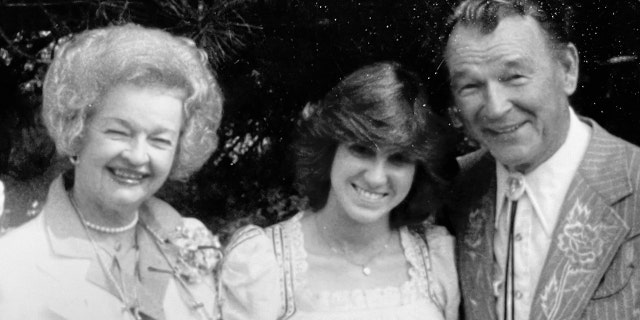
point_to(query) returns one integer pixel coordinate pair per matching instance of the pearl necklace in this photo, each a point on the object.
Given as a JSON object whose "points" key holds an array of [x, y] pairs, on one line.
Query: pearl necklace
{"points": [[103, 229], [112, 230], [365, 266]]}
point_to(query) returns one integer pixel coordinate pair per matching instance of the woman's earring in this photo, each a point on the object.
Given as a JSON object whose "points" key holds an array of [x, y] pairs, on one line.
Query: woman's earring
{"points": [[74, 160], [454, 115]]}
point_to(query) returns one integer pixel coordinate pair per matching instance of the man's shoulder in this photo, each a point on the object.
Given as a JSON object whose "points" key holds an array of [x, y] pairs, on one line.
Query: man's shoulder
{"points": [[612, 167], [608, 151], [474, 159], [474, 182], [477, 170], [622, 157], [630, 152]]}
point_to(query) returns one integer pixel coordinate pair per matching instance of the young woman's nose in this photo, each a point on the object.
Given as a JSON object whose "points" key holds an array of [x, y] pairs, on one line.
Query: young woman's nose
{"points": [[376, 173]]}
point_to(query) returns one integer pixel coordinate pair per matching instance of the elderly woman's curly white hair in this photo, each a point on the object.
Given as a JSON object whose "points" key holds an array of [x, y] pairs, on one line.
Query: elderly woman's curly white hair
{"points": [[93, 62]]}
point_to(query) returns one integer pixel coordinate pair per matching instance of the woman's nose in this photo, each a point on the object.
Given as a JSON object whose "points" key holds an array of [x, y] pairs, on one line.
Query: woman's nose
{"points": [[137, 153], [376, 173]]}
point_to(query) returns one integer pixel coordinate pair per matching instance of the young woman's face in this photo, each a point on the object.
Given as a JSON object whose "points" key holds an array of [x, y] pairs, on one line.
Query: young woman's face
{"points": [[129, 146], [367, 182]]}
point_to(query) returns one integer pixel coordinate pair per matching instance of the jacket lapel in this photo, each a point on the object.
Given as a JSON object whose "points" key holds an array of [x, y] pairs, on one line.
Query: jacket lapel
{"points": [[476, 197], [69, 241], [588, 234], [73, 261]]}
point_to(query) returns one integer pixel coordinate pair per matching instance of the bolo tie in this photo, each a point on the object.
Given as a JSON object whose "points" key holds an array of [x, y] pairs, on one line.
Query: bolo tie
{"points": [[515, 190]]}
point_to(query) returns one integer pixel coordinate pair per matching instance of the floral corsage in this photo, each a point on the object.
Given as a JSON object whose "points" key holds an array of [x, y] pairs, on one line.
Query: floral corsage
{"points": [[199, 251], [193, 253]]}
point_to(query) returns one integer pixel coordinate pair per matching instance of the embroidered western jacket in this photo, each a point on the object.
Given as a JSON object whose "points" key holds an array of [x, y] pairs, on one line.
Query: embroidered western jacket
{"points": [[592, 268]]}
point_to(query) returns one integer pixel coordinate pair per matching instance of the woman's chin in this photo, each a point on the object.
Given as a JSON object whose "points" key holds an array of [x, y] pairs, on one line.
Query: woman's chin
{"points": [[127, 198], [367, 216], [132, 191]]}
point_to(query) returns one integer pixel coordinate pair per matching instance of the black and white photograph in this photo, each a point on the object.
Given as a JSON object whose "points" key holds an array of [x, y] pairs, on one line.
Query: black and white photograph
{"points": [[319, 160]]}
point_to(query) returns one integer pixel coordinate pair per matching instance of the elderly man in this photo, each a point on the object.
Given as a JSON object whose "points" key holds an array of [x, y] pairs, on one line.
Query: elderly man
{"points": [[547, 213]]}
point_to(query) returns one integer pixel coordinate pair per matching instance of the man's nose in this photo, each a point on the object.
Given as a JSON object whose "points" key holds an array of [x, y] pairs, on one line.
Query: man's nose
{"points": [[497, 102]]}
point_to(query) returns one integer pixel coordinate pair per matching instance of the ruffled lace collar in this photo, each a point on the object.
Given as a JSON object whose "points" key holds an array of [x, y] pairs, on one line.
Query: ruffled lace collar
{"points": [[414, 290]]}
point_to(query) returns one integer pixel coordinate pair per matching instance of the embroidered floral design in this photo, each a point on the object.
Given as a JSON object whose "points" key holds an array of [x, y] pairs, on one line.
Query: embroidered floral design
{"points": [[558, 287], [581, 240], [477, 218], [550, 298], [199, 251], [472, 236]]}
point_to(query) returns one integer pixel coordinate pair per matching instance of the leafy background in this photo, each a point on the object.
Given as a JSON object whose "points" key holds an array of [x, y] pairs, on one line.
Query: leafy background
{"points": [[271, 57]]}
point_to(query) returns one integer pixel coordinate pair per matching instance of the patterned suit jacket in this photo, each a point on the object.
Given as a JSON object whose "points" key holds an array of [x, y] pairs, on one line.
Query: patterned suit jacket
{"points": [[592, 269]]}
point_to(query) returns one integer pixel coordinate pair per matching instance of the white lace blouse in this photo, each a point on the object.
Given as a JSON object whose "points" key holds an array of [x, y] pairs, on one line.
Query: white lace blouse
{"points": [[264, 276]]}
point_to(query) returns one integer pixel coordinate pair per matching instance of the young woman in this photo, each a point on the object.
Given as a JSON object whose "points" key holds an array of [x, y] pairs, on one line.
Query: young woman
{"points": [[371, 157]]}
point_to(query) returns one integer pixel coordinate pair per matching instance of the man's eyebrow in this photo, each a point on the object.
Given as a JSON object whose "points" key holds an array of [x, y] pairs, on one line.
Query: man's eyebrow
{"points": [[518, 63], [457, 74]]}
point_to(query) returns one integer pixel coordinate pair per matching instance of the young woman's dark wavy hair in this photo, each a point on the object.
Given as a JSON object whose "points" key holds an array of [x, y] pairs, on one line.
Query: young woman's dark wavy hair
{"points": [[383, 105]]}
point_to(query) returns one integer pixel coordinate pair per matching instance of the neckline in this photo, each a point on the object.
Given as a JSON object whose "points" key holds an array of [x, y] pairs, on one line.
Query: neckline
{"points": [[337, 250], [410, 290]]}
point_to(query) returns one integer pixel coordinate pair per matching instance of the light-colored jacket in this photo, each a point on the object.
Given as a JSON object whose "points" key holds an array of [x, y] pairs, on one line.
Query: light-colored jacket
{"points": [[592, 269], [48, 269]]}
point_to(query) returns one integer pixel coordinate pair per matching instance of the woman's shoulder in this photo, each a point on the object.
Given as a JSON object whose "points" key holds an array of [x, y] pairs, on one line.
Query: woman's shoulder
{"points": [[441, 253], [161, 208], [254, 251], [439, 234], [249, 276], [433, 234], [24, 239], [163, 217], [247, 236], [437, 241], [272, 235], [23, 251]]}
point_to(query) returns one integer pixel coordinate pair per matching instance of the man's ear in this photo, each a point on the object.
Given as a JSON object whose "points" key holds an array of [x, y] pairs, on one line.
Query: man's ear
{"points": [[454, 115], [569, 61]]}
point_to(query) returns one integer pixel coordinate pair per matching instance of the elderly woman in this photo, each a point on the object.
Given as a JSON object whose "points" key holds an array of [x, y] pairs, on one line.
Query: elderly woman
{"points": [[130, 107], [371, 158]]}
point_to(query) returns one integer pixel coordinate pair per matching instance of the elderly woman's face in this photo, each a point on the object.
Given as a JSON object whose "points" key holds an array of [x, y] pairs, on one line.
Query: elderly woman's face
{"points": [[129, 146]]}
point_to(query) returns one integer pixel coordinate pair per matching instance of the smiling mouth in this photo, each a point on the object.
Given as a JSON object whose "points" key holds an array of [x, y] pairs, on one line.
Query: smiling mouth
{"points": [[126, 176], [506, 130], [368, 195]]}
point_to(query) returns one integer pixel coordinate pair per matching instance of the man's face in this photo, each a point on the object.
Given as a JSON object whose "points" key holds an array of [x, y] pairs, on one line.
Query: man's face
{"points": [[511, 89]]}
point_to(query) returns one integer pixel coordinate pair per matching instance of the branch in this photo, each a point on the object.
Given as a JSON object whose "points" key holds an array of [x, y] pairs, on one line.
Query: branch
{"points": [[13, 47], [48, 4]]}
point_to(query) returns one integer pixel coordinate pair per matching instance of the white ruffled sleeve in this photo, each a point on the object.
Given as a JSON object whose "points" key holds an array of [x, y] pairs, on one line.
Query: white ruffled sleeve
{"points": [[250, 278], [441, 245]]}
